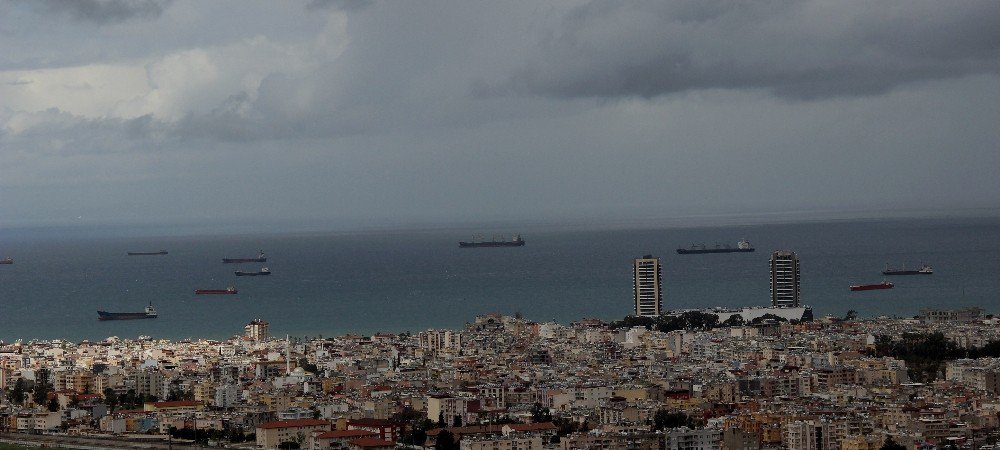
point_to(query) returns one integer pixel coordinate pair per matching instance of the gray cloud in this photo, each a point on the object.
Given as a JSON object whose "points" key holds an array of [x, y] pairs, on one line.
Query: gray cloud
{"points": [[342, 5], [368, 118], [56, 132], [802, 49], [103, 12]]}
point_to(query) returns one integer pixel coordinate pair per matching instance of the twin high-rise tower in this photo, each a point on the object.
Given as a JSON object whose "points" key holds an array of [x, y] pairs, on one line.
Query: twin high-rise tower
{"points": [[785, 280], [647, 278], [647, 288]]}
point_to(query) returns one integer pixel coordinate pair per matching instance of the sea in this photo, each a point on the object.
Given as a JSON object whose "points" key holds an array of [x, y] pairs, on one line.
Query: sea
{"points": [[363, 282]]}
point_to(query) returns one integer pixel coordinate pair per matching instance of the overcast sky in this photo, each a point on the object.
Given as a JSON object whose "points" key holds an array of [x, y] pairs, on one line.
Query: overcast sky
{"points": [[367, 112]]}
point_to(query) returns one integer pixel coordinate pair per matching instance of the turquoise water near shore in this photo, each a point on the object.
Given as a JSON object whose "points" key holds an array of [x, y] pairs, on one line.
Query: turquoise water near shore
{"points": [[335, 283]]}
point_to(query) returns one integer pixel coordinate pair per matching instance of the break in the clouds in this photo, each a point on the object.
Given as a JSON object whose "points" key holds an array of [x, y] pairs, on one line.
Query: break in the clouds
{"points": [[793, 48], [367, 112]]}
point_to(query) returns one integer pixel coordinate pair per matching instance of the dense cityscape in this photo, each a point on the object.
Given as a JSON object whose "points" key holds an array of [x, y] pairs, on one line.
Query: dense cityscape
{"points": [[682, 380]]}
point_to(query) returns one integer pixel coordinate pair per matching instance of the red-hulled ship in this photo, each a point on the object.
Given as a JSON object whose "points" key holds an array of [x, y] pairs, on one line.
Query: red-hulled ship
{"points": [[872, 287], [229, 290]]}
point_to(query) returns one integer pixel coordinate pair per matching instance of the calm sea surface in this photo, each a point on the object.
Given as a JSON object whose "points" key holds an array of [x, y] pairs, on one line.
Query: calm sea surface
{"points": [[328, 284]]}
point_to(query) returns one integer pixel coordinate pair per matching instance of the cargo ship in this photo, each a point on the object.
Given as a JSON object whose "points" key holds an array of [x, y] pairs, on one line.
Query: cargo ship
{"points": [[742, 246], [872, 287], [149, 313], [262, 271], [923, 270], [228, 290], [161, 252], [7, 260], [477, 241], [259, 258]]}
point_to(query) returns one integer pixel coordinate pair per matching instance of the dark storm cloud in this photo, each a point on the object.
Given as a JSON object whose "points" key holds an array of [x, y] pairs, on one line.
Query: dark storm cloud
{"points": [[367, 118], [104, 12], [794, 48]]}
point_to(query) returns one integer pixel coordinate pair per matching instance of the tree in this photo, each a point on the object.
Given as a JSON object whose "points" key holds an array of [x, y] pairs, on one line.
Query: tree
{"points": [[445, 441], [664, 419], [924, 353], [416, 433], [734, 320], [174, 393], [851, 316], [40, 393], [564, 426], [415, 425], [697, 320], [540, 413], [308, 367], [53, 404], [634, 321], [890, 444], [235, 435], [111, 398], [16, 395], [767, 317]]}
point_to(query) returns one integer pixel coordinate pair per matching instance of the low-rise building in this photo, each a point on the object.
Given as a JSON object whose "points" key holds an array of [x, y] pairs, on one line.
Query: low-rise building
{"points": [[300, 431]]}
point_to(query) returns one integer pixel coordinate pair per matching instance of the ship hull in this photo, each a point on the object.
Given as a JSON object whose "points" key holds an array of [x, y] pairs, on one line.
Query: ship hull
{"points": [[7, 261], [491, 244], [251, 274], [161, 252], [242, 260], [104, 315], [689, 251], [215, 291], [872, 287]]}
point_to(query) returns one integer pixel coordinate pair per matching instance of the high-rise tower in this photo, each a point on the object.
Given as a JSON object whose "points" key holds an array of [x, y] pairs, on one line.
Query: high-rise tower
{"points": [[256, 330], [785, 279], [648, 286]]}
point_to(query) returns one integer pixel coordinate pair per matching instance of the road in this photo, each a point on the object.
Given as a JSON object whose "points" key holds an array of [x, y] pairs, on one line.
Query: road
{"points": [[89, 443]]}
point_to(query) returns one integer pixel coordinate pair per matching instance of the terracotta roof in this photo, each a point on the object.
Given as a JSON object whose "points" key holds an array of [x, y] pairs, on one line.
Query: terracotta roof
{"points": [[372, 442], [292, 423], [370, 422], [176, 404], [340, 434], [468, 429], [532, 426]]}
